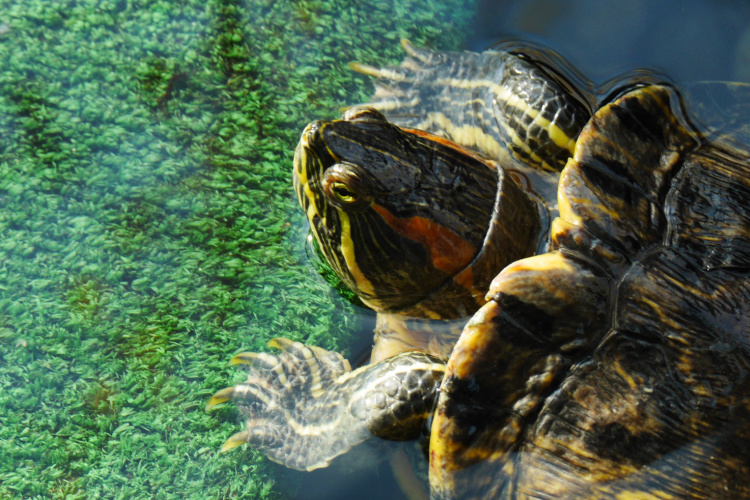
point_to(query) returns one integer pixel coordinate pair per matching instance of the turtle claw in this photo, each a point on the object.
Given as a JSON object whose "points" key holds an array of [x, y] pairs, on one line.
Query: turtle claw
{"points": [[245, 358], [236, 440], [281, 343], [394, 90], [281, 400], [220, 397], [424, 55], [365, 69], [393, 74]]}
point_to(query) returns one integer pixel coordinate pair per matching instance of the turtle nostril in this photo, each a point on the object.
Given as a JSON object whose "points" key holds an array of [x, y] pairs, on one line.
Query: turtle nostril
{"points": [[311, 131], [312, 128]]}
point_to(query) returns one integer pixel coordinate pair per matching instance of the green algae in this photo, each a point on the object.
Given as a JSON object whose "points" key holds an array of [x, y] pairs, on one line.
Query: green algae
{"points": [[148, 229]]}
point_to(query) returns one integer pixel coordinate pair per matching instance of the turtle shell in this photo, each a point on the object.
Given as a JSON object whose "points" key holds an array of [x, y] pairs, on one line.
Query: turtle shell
{"points": [[635, 329]]}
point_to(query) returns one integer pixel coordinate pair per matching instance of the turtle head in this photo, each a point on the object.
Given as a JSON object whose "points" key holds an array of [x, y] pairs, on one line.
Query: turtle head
{"points": [[403, 217]]}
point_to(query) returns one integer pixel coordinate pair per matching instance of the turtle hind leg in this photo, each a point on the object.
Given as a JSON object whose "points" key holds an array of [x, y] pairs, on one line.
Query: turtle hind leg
{"points": [[304, 406], [414, 93]]}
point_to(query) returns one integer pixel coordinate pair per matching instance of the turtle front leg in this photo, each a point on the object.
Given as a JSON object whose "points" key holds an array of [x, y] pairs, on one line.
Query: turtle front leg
{"points": [[305, 406]]}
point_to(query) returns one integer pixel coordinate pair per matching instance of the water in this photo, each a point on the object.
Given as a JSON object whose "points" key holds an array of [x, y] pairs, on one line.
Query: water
{"points": [[689, 41], [147, 219]]}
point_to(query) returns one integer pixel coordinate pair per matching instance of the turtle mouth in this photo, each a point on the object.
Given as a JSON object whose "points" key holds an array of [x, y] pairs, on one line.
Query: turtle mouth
{"points": [[311, 159], [306, 176], [307, 172]]}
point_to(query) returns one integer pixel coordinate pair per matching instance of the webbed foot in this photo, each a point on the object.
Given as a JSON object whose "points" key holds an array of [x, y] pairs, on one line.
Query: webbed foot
{"points": [[305, 406], [410, 94]]}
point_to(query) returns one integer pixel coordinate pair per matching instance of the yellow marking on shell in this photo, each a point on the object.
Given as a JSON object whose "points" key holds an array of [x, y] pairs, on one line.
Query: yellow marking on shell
{"points": [[448, 455], [681, 284], [657, 93], [644, 495], [551, 261], [547, 268], [666, 320], [560, 227], [347, 250], [593, 134], [564, 205], [625, 376], [236, 440], [476, 337], [465, 278], [555, 443]]}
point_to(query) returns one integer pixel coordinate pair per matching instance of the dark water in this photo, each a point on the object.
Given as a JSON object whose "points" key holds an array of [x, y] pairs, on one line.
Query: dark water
{"points": [[688, 41]]}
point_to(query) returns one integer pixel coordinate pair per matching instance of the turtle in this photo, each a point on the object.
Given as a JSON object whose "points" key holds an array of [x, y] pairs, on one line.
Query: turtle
{"points": [[597, 240]]}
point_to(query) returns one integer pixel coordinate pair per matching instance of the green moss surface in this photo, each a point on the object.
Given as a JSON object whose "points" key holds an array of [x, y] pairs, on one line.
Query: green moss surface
{"points": [[148, 229]]}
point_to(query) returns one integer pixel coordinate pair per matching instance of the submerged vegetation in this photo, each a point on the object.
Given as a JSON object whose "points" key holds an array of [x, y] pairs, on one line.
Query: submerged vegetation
{"points": [[148, 229]]}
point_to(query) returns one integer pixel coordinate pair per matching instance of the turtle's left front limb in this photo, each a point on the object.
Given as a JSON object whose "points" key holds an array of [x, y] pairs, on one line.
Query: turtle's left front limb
{"points": [[305, 406]]}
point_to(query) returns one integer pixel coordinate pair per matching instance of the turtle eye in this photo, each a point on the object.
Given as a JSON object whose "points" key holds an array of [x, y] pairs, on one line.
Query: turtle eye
{"points": [[346, 184], [342, 192]]}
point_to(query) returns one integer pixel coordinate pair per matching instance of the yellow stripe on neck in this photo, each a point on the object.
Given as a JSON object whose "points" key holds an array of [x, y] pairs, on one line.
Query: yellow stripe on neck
{"points": [[347, 250]]}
